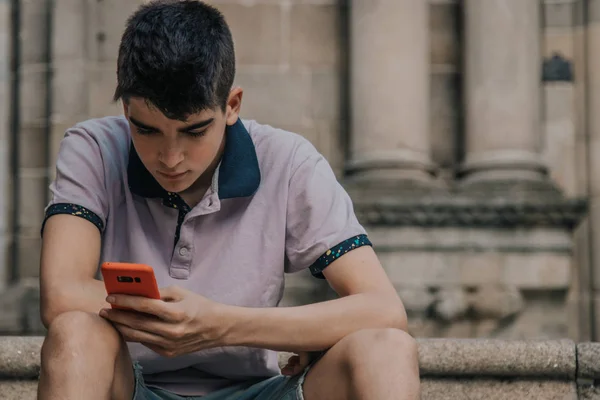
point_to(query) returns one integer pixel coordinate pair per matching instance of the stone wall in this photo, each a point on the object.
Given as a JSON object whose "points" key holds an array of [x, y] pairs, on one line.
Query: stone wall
{"points": [[472, 205]]}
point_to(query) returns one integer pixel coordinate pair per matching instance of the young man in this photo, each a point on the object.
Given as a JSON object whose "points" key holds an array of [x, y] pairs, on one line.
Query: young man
{"points": [[220, 208]]}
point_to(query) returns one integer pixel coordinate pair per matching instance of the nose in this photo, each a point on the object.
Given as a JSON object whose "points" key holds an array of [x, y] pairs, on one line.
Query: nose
{"points": [[171, 156]]}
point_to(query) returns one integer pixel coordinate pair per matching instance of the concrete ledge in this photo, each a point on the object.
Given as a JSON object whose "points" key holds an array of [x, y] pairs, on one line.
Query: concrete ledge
{"points": [[19, 357], [501, 358], [473, 369]]}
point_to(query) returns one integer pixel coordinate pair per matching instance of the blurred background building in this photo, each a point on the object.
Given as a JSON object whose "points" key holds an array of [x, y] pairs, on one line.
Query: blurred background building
{"points": [[467, 132]]}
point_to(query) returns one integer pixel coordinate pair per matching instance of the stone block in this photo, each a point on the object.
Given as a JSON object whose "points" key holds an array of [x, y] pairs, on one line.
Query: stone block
{"points": [[70, 29], [325, 94], [32, 150], [444, 131], [445, 118], [102, 84], [492, 357], [302, 288], [32, 191], [330, 144], [558, 14], [559, 129], [444, 31], [33, 91], [5, 16], [495, 389], [20, 357], [559, 101], [258, 33], [109, 19], [70, 97], [314, 35], [276, 97], [559, 42], [420, 268], [596, 318], [537, 271], [18, 390], [477, 268], [5, 109], [33, 31], [588, 361], [30, 248], [594, 160]]}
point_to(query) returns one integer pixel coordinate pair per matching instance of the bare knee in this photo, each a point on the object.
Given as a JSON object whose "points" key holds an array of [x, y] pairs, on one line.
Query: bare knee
{"points": [[76, 335], [372, 348]]}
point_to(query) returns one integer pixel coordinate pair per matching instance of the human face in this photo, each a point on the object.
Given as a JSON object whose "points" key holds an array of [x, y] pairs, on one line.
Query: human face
{"points": [[180, 155]]}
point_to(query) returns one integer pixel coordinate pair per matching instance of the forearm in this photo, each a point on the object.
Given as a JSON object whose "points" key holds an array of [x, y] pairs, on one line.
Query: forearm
{"points": [[313, 327], [88, 296]]}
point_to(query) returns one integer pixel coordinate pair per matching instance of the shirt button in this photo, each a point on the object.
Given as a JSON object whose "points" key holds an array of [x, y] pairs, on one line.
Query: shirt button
{"points": [[183, 251]]}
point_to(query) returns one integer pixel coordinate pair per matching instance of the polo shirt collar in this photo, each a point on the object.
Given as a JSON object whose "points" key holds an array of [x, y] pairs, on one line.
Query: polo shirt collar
{"points": [[238, 171]]}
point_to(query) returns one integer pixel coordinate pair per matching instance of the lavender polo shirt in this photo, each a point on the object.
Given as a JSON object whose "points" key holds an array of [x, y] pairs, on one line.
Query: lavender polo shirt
{"points": [[274, 206]]}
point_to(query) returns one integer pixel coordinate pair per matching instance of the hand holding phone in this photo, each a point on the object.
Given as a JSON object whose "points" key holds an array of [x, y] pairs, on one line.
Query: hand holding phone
{"points": [[131, 279]]}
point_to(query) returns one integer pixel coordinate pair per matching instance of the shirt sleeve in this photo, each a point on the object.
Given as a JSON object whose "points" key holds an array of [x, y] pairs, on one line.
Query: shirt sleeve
{"points": [[321, 224], [79, 187]]}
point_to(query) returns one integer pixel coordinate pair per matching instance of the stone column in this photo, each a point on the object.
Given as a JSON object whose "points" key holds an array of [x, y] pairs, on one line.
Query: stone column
{"points": [[389, 90], [502, 90], [4, 135], [593, 124]]}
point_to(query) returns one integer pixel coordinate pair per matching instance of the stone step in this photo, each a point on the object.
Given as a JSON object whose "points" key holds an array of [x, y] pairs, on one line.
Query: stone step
{"points": [[450, 369]]}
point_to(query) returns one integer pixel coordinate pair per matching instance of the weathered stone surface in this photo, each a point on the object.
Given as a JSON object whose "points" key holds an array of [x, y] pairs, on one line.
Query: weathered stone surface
{"points": [[485, 357], [20, 310], [18, 390], [493, 389], [257, 32], [588, 361], [19, 357], [314, 35], [589, 392], [496, 302]]}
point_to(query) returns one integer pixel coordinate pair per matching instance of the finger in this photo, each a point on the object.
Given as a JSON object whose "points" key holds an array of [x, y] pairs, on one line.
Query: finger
{"points": [[144, 305], [133, 335], [304, 359], [137, 321]]}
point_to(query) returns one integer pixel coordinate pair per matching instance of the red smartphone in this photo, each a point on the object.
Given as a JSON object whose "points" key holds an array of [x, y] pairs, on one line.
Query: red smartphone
{"points": [[131, 279]]}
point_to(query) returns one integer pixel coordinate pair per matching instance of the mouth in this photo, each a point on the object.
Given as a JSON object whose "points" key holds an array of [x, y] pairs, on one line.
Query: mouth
{"points": [[171, 176]]}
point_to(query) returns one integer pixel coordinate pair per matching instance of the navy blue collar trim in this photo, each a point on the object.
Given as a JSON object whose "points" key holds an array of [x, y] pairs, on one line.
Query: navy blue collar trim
{"points": [[239, 173]]}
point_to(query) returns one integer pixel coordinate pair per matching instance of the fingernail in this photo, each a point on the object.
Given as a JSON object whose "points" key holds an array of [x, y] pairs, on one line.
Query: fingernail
{"points": [[110, 299], [103, 313]]}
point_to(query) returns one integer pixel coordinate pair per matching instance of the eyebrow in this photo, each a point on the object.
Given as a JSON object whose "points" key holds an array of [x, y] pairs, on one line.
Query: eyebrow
{"points": [[189, 128]]}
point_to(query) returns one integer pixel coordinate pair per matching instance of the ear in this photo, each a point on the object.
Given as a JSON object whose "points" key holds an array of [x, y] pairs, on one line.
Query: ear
{"points": [[234, 105]]}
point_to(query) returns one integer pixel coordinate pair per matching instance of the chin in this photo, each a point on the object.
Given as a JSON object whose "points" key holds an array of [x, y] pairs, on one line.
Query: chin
{"points": [[174, 187]]}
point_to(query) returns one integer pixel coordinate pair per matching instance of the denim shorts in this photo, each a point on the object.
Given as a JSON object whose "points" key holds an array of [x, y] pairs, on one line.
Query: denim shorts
{"points": [[278, 387]]}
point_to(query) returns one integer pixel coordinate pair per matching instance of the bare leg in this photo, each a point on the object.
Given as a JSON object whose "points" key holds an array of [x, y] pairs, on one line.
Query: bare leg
{"points": [[377, 364], [84, 357]]}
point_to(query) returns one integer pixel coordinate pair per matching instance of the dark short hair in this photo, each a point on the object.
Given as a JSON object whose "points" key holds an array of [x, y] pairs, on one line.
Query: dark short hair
{"points": [[178, 55]]}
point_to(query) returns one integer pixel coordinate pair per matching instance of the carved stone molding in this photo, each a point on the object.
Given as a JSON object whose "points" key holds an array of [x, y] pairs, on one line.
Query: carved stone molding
{"points": [[450, 304], [501, 214], [511, 204]]}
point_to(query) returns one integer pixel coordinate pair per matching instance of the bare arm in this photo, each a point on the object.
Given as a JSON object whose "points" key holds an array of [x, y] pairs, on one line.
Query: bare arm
{"points": [[368, 300], [70, 256]]}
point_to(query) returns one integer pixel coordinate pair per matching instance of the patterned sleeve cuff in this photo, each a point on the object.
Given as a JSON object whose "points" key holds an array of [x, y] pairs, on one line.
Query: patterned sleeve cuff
{"points": [[336, 252], [73, 209]]}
